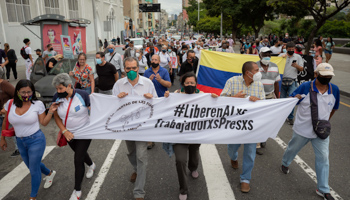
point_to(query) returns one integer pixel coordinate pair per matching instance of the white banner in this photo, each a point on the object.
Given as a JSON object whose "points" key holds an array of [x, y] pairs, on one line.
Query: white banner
{"points": [[182, 118]]}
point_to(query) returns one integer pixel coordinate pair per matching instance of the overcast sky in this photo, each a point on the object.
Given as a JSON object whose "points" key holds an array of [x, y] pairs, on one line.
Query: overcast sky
{"points": [[171, 6]]}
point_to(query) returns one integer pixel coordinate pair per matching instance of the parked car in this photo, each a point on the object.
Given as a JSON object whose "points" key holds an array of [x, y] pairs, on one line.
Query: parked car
{"points": [[43, 84]]}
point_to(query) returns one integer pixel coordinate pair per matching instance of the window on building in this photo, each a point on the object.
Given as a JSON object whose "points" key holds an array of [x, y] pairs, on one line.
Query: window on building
{"points": [[52, 7], [18, 10], [73, 9]]}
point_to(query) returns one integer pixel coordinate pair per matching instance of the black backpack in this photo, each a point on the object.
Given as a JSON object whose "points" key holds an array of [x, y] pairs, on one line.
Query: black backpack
{"points": [[24, 54]]}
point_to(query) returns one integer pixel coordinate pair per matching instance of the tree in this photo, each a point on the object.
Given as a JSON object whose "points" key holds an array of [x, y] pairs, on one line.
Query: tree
{"points": [[316, 8]]}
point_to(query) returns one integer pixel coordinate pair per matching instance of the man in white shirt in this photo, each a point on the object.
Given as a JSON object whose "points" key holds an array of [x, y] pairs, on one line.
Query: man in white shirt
{"points": [[29, 61], [327, 96], [294, 64], [115, 59], [136, 85], [49, 53], [277, 48], [197, 51]]}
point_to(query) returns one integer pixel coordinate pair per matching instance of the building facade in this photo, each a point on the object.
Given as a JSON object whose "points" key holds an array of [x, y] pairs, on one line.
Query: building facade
{"points": [[14, 12]]}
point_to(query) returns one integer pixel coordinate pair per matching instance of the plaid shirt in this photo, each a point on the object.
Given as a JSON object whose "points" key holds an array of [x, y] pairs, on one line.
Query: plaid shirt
{"points": [[236, 84]]}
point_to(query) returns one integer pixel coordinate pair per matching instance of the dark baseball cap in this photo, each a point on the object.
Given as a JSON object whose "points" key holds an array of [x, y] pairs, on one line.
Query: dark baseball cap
{"points": [[38, 50]]}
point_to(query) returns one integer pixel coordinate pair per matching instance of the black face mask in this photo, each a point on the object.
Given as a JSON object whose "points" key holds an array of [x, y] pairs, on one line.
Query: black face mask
{"points": [[62, 94], [51, 49], [290, 52], [155, 65], [189, 89], [323, 80]]}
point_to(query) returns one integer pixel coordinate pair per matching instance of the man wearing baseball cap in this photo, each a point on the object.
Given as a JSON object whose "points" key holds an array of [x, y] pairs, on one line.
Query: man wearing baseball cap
{"points": [[303, 131], [270, 79]]}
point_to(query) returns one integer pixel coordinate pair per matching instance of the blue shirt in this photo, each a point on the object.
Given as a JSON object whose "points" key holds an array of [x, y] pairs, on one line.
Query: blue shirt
{"points": [[164, 74]]}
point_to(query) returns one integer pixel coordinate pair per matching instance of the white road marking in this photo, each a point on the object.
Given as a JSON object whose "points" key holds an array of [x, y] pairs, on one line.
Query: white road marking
{"points": [[103, 171], [309, 171], [217, 182], [13, 178]]}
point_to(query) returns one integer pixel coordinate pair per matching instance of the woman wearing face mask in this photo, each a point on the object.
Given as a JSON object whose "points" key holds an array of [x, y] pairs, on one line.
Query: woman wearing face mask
{"points": [[165, 61], [189, 86], [76, 104], [142, 61], [26, 113], [283, 51], [53, 61], [252, 49], [84, 77]]}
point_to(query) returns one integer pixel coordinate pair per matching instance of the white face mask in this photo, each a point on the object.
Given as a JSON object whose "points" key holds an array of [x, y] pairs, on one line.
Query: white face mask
{"points": [[137, 55], [256, 77], [265, 60]]}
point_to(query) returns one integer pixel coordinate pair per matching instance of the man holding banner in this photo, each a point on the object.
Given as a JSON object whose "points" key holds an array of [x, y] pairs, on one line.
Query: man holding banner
{"points": [[135, 85], [247, 85]]}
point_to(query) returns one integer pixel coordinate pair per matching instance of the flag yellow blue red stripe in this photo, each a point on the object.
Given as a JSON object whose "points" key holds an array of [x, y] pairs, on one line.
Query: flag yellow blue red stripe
{"points": [[215, 68]]}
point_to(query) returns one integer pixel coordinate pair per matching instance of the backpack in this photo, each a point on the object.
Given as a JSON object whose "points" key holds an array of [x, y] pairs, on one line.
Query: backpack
{"points": [[24, 54]]}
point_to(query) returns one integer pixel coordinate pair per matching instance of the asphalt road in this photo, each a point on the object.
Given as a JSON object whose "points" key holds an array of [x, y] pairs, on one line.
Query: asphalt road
{"points": [[162, 184]]}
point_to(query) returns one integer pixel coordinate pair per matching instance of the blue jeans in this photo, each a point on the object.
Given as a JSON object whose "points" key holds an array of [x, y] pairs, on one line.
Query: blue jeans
{"points": [[14, 138], [88, 90], [32, 149], [286, 91], [248, 159], [321, 149]]}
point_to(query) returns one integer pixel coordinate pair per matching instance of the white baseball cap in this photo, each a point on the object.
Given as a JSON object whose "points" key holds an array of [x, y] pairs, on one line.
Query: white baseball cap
{"points": [[265, 49], [325, 69]]}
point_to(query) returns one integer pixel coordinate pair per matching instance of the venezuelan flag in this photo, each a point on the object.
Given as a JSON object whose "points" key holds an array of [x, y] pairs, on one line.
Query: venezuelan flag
{"points": [[215, 68]]}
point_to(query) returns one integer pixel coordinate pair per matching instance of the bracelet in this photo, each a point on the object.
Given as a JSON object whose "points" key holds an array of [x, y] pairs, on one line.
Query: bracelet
{"points": [[50, 113], [64, 131]]}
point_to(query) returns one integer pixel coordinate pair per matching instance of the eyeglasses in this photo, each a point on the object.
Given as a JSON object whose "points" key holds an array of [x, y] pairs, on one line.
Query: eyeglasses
{"points": [[24, 93], [130, 68]]}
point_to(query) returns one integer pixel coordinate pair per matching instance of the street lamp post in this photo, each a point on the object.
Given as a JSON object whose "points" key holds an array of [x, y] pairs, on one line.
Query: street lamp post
{"points": [[95, 25]]}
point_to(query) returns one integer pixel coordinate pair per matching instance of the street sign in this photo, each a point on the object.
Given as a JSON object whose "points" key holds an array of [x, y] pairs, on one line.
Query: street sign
{"points": [[146, 7]]}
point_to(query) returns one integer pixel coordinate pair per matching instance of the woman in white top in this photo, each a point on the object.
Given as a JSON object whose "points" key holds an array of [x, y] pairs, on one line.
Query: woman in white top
{"points": [[26, 114], [78, 117], [142, 61], [165, 59]]}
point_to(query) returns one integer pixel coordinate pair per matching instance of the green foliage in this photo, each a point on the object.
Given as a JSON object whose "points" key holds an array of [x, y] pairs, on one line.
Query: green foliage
{"points": [[336, 29], [209, 25]]}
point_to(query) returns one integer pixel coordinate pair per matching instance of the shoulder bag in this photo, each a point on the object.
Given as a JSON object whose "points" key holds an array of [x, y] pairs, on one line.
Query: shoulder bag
{"points": [[8, 132], [322, 128], [61, 140]]}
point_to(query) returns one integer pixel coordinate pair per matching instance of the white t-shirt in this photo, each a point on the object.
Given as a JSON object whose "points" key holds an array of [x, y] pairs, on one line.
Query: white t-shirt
{"points": [[27, 124], [276, 50], [164, 59], [173, 56], [78, 116], [142, 64], [28, 51]]}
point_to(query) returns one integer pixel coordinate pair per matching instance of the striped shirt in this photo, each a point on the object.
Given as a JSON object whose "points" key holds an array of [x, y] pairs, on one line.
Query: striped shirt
{"points": [[269, 78], [236, 84]]}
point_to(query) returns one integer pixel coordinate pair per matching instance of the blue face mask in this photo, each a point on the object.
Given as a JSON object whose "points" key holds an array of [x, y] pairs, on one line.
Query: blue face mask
{"points": [[284, 50], [110, 50], [98, 61], [169, 50], [127, 43]]}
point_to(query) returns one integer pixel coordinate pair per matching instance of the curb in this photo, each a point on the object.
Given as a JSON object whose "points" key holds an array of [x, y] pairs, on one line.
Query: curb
{"points": [[342, 92]]}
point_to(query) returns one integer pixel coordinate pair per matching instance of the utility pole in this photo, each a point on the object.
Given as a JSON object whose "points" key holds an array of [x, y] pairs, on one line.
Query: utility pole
{"points": [[221, 26], [198, 18], [95, 25]]}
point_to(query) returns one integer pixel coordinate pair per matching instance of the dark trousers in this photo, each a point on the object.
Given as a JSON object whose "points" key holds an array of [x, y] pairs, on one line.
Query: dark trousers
{"points": [[14, 70], [172, 76], [181, 151], [81, 156]]}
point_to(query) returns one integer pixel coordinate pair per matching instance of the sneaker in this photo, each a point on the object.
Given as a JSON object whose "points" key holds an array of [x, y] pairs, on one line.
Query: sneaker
{"points": [[75, 196], [284, 169], [195, 174], [290, 121], [49, 180], [183, 197], [15, 153], [263, 144], [326, 196], [259, 151], [90, 171]]}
